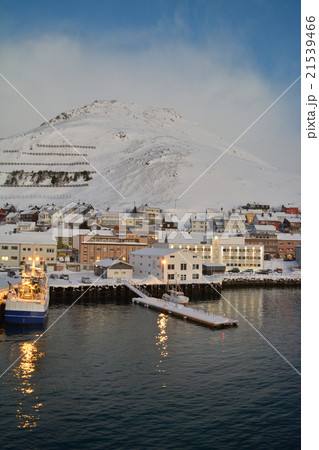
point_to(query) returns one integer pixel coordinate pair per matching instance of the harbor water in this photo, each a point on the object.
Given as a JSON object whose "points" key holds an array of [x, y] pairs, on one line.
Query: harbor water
{"points": [[119, 376]]}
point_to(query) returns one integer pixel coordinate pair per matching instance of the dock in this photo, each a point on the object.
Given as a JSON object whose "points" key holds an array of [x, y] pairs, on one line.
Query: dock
{"points": [[180, 311]]}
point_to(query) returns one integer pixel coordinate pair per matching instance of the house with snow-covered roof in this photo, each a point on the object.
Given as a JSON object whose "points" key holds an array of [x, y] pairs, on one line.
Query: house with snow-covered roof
{"points": [[167, 264]]}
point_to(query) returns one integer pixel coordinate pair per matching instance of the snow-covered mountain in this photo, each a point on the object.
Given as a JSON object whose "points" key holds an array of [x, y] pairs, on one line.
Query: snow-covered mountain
{"points": [[148, 155]]}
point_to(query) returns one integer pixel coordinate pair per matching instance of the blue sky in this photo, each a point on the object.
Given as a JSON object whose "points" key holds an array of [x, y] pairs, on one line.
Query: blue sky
{"points": [[211, 60]]}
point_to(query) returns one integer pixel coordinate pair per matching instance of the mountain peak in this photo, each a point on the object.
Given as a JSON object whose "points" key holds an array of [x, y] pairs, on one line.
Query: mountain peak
{"points": [[148, 154]]}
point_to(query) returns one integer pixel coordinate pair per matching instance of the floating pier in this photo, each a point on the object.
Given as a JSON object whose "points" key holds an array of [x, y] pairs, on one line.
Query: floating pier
{"points": [[180, 311]]}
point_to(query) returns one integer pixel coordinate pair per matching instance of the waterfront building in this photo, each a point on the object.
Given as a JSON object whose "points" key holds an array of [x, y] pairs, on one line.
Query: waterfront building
{"points": [[110, 268], [17, 248], [168, 265], [104, 244], [205, 245], [235, 252]]}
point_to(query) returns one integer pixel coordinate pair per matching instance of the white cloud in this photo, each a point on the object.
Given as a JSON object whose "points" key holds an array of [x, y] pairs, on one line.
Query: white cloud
{"points": [[57, 73]]}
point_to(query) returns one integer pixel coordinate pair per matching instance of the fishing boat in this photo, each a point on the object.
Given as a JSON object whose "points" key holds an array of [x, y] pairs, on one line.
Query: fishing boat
{"points": [[28, 302], [175, 296]]}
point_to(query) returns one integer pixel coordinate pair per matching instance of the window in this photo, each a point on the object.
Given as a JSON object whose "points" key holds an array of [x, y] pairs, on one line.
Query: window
{"points": [[183, 266], [4, 247], [14, 247], [50, 250], [183, 277], [171, 266], [14, 258], [170, 276], [5, 258], [195, 276], [195, 266]]}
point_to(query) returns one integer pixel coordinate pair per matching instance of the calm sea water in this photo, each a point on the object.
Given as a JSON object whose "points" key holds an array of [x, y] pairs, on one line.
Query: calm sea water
{"points": [[120, 376]]}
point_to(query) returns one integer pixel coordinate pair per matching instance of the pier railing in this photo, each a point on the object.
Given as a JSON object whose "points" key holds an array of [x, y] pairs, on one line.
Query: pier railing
{"points": [[137, 290]]}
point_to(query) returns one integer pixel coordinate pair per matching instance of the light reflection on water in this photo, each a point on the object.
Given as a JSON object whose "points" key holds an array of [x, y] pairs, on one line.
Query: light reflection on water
{"points": [[28, 414], [118, 376], [161, 339]]}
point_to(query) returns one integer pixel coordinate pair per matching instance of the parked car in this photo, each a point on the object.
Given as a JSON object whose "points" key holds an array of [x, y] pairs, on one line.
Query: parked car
{"points": [[248, 271], [13, 274], [278, 270], [268, 270], [262, 272], [86, 280], [55, 276], [234, 270], [64, 276]]}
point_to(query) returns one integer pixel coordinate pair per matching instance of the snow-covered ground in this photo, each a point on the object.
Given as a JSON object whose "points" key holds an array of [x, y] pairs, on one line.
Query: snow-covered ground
{"points": [[75, 277], [150, 155]]}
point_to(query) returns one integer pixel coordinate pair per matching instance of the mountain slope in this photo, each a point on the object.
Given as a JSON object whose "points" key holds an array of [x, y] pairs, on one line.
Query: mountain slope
{"points": [[149, 155]]}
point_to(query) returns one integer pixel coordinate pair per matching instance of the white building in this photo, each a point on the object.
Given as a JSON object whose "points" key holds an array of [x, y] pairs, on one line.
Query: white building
{"points": [[16, 248], [110, 268], [233, 252], [168, 265], [205, 245]]}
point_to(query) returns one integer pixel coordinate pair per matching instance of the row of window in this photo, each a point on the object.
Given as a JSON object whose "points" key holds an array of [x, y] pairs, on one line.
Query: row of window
{"points": [[15, 247], [183, 266], [256, 250], [241, 257], [171, 276], [105, 249], [243, 265], [15, 258]]}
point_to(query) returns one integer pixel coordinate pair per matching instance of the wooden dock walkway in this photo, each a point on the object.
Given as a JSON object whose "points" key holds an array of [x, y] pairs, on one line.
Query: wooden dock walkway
{"points": [[183, 312]]}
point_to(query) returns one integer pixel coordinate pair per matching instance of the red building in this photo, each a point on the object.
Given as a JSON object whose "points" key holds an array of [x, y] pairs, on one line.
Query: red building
{"points": [[290, 209], [268, 219]]}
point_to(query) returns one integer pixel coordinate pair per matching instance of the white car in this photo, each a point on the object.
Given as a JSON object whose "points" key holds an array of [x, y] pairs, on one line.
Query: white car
{"points": [[86, 280]]}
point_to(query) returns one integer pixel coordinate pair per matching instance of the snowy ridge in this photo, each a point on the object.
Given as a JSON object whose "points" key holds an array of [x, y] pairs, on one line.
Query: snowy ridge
{"points": [[149, 155]]}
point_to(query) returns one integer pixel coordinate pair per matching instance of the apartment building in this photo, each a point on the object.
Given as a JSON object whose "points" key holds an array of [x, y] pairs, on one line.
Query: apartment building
{"points": [[17, 248], [99, 245], [286, 245], [205, 245], [264, 235], [235, 252], [168, 265]]}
